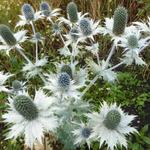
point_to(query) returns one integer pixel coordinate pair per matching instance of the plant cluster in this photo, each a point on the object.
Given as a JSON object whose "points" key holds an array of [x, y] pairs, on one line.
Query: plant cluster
{"points": [[58, 106]]}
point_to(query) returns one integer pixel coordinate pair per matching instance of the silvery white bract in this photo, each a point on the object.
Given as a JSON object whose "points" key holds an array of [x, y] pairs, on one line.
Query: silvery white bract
{"points": [[11, 40], [111, 125], [31, 70], [3, 78], [143, 26], [30, 119], [102, 70], [82, 134]]}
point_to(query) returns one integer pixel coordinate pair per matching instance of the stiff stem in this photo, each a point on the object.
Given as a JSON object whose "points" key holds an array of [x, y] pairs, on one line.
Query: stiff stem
{"points": [[36, 44]]}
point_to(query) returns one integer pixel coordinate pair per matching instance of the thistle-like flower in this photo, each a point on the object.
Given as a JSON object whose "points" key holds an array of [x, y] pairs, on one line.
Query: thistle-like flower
{"points": [[31, 70], [133, 45], [56, 28], [3, 78], [73, 16], [82, 134], [72, 37], [47, 11], [117, 27], [62, 86], [28, 15], [79, 76], [111, 125], [18, 87], [30, 118], [103, 70], [88, 28], [37, 38], [11, 40]]}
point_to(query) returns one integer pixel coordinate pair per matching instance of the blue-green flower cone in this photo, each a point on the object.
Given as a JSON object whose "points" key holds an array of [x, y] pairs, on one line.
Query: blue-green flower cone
{"points": [[120, 20], [72, 11], [112, 119], [25, 106], [7, 35]]}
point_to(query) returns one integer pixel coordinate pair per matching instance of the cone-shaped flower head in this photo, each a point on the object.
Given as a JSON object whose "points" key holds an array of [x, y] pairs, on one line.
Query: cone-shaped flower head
{"points": [[74, 34], [86, 132], [132, 41], [24, 105], [72, 11], [120, 20], [67, 69], [7, 35], [45, 8], [64, 80], [112, 119], [85, 26], [28, 12], [16, 85]]}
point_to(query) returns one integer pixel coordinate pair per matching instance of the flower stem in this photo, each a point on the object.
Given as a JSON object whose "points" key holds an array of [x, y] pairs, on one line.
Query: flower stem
{"points": [[66, 48], [23, 55], [110, 55], [36, 50], [119, 64], [90, 84]]}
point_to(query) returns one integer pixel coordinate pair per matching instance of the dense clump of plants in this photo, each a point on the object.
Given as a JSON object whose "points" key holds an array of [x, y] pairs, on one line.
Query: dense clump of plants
{"points": [[61, 106]]}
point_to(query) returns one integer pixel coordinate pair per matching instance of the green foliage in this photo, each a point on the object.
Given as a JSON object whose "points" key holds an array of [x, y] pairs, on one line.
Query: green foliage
{"points": [[141, 141]]}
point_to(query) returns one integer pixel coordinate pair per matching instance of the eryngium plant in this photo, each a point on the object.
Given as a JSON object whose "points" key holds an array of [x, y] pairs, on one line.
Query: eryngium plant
{"points": [[64, 112], [120, 20]]}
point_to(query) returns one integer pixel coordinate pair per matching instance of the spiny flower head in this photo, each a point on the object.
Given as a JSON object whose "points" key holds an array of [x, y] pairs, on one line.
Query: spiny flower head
{"points": [[85, 26], [74, 34], [7, 35], [45, 8], [86, 132], [64, 80], [112, 119], [16, 85], [132, 41], [120, 20], [24, 105], [72, 11], [67, 69], [28, 12]]}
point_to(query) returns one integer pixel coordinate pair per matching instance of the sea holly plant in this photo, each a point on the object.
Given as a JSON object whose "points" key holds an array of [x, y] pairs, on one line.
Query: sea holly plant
{"points": [[58, 106]]}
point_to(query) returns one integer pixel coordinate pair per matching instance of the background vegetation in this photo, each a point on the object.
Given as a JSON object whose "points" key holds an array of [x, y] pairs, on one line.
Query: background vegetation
{"points": [[132, 90]]}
